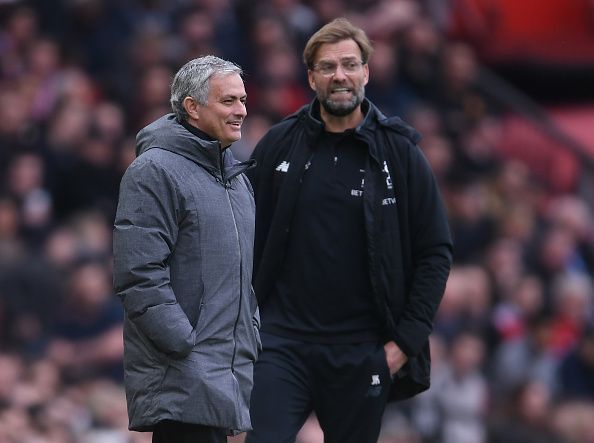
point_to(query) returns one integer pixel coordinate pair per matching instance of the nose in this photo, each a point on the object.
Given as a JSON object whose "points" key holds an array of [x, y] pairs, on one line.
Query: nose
{"points": [[240, 109], [339, 73]]}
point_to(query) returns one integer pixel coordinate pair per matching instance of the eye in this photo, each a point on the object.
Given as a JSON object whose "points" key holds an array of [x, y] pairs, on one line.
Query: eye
{"points": [[326, 68]]}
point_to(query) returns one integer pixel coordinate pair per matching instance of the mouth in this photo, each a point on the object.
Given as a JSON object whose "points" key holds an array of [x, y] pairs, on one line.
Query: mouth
{"points": [[236, 124], [340, 91]]}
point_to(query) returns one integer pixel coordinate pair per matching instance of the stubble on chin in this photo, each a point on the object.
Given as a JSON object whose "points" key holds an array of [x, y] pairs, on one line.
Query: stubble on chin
{"points": [[341, 109]]}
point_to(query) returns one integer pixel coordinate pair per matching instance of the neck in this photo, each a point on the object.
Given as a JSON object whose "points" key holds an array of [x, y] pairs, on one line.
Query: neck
{"points": [[194, 129], [334, 123]]}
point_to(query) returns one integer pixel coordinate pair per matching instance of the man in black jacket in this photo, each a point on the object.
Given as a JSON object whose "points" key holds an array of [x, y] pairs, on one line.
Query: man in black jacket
{"points": [[352, 253]]}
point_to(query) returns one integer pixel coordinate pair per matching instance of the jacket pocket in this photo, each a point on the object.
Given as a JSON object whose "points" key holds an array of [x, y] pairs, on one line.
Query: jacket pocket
{"points": [[197, 328]]}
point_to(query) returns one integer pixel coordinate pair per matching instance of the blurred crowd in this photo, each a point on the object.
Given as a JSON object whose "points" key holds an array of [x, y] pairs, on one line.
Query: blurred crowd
{"points": [[513, 346]]}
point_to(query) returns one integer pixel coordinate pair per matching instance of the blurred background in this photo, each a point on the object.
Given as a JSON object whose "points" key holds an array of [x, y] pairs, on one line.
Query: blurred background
{"points": [[503, 93]]}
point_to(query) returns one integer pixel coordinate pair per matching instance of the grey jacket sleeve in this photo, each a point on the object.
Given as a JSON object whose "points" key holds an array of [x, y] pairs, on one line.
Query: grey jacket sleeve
{"points": [[145, 233]]}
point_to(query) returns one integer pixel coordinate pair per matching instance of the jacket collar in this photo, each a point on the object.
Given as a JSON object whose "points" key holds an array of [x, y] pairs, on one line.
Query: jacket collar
{"points": [[169, 134], [314, 124], [197, 132], [310, 115], [365, 131]]}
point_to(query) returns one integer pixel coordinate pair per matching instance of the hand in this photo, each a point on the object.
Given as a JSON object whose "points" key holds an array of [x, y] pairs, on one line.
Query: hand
{"points": [[395, 358]]}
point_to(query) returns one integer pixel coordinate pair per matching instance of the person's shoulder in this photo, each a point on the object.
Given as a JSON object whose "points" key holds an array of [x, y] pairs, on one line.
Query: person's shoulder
{"points": [[160, 158], [154, 162], [399, 127], [377, 121]]}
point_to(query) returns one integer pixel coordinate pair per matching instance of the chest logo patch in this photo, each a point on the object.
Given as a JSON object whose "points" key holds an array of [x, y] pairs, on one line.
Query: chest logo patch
{"points": [[359, 192], [389, 184], [283, 167]]}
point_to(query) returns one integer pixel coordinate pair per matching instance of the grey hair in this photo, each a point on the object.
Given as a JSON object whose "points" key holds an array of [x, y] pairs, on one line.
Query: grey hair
{"points": [[192, 80]]}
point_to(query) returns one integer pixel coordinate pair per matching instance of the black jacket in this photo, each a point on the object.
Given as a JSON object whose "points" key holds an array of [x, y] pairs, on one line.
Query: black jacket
{"points": [[408, 239]]}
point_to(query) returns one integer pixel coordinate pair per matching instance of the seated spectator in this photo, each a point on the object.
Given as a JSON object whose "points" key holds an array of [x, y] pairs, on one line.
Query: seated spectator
{"points": [[576, 373], [572, 307], [527, 418], [573, 421], [87, 338], [527, 357], [458, 397], [512, 314]]}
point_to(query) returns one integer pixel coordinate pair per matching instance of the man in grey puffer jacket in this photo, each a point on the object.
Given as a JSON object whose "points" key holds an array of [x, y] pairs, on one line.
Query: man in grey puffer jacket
{"points": [[183, 242]]}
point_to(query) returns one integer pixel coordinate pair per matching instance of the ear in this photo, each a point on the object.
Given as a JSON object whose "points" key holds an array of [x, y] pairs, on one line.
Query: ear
{"points": [[191, 107], [366, 72], [311, 80]]}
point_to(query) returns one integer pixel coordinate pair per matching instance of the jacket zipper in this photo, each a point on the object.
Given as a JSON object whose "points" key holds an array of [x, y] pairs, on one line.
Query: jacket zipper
{"points": [[226, 185]]}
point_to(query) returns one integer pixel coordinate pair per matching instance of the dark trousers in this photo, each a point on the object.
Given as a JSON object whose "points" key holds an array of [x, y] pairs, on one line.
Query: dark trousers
{"points": [[168, 431], [346, 385]]}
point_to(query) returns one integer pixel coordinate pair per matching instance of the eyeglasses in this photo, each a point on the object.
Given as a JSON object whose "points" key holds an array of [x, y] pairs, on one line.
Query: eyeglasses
{"points": [[328, 69]]}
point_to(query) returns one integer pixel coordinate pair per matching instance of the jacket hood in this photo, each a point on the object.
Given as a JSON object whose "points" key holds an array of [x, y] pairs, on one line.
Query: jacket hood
{"points": [[168, 134], [373, 117]]}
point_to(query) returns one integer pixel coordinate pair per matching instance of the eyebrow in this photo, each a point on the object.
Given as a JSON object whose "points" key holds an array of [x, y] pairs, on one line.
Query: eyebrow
{"points": [[343, 59], [233, 97]]}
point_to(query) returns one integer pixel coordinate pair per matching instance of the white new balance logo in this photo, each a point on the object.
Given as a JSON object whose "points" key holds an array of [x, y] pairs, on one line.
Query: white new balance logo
{"points": [[376, 387], [283, 167]]}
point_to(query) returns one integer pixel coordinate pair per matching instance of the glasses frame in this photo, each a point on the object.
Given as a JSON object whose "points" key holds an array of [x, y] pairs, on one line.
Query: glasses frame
{"points": [[342, 64]]}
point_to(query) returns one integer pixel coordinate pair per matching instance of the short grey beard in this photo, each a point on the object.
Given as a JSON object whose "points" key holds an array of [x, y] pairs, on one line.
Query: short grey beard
{"points": [[341, 109]]}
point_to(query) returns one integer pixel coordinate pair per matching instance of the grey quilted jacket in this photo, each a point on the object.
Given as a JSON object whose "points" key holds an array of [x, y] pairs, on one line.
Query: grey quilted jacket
{"points": [[183, 243]]}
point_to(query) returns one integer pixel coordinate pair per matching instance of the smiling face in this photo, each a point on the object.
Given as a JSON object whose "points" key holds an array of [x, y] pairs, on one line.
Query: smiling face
{"points": [[223, 114], [342, 91]]}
